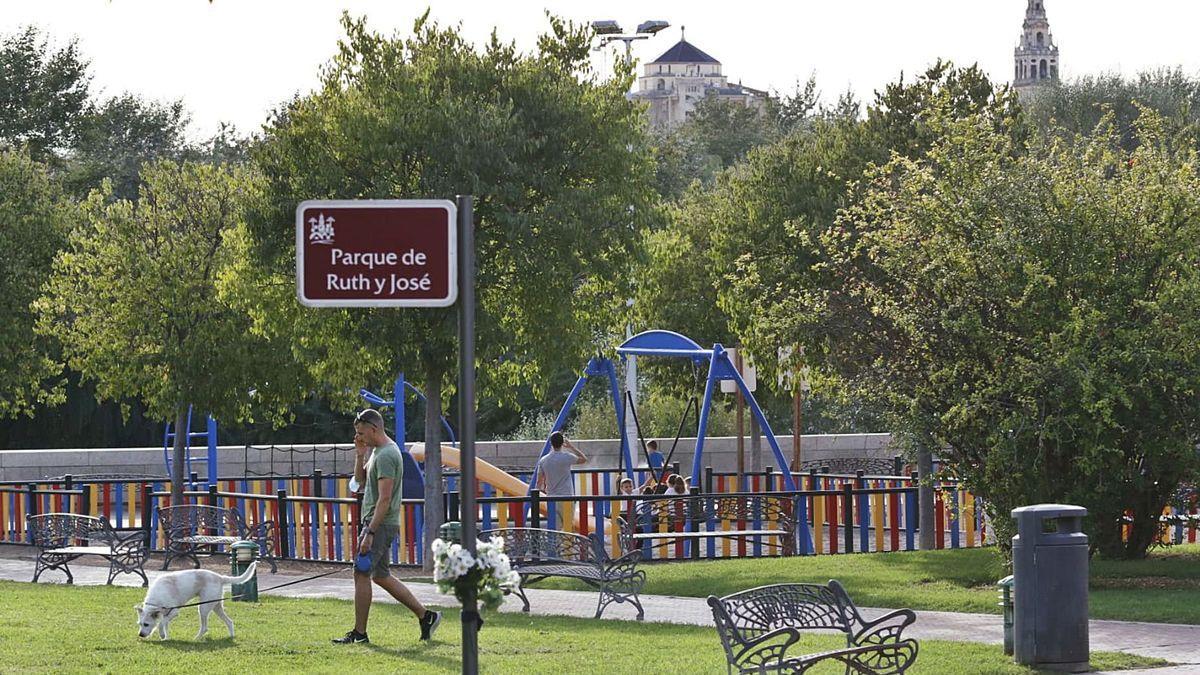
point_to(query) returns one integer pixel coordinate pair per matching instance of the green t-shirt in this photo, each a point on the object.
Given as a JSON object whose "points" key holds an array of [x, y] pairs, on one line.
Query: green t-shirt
{"points": [[385, 462]]}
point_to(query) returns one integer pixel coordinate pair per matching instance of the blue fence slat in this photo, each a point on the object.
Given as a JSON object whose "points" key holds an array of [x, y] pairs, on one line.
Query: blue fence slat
{"points": [[337, 531], [119, 507], [486, 507], [803, 533], [756, 524], [910, 518], [598, 522], [864, 522], [954, 519]]}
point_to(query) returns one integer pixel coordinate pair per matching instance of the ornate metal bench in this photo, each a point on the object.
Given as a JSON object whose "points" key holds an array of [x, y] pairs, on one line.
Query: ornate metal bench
{"points": [[702, 517], [537, 554], [759, 625], [189, 527], [63, 537]]}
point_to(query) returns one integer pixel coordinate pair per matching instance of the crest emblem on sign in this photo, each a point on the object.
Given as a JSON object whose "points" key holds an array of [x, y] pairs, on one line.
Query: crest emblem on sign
{"points": [[320, 230]]}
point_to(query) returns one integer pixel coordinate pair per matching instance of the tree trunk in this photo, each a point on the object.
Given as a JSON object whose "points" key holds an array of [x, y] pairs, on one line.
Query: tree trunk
{"points": [[1146, 505], [756, 450], [925, 498], [179, 453], [433, 461]]}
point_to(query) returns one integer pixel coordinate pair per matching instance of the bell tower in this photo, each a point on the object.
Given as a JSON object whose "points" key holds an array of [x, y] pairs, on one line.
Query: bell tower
{"points": [[1036, 57]]}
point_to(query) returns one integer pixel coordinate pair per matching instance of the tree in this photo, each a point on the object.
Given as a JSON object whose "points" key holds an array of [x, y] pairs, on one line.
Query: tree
{"points": [[133, 300], [1033, 313], [557, 161], [758, 229], [1078, 107], [43, 93], [903, 114], [33, 225], [119, 135], [719, 133]]}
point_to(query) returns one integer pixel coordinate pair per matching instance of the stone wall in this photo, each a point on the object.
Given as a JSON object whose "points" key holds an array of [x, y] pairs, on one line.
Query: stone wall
{"points": [[719, 453]]}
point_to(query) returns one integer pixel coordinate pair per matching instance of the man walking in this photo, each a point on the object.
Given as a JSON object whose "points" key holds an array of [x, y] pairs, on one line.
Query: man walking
{"points": [[554, 477], [379, 468]]}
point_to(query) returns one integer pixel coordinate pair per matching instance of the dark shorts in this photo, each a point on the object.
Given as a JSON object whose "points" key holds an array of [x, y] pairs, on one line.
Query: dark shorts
{"points": [[381, 550]]}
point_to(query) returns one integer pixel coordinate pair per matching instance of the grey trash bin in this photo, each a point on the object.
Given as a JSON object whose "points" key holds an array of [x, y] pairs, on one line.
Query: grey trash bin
{"points": [[1050, 579]]}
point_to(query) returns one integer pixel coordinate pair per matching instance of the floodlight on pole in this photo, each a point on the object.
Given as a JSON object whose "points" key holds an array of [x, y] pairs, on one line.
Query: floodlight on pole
{"points": [[652, 27], [606, 27], [610, 31]]}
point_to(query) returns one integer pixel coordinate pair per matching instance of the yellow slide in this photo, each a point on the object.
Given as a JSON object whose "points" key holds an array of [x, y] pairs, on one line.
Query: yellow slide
{"points": [[486, 472]]}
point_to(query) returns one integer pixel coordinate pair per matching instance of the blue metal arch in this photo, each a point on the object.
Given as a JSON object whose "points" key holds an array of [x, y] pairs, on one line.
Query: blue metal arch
{"points": [[670, 344]]}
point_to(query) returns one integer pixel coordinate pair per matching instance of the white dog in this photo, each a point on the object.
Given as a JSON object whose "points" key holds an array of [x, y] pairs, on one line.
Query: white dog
{"points": [[170, 591]]}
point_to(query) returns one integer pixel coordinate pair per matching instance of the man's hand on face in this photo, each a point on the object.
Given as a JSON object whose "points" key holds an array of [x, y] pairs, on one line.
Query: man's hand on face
{"points": [[361, 448]]}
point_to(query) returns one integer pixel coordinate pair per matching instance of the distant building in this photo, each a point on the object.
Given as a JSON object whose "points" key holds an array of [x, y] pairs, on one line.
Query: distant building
{"points": [[673, 83], [1036, 57]]}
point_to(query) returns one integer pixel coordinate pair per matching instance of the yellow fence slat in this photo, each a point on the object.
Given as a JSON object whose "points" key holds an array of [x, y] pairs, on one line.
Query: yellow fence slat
{"points": [[968, 502]]}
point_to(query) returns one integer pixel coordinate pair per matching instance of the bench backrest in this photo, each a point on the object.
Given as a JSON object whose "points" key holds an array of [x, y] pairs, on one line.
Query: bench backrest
{"points": [[748, 614], [190, 519], [55, 530], [718, 507], [675, 513], [524, 544], [765, 509]]}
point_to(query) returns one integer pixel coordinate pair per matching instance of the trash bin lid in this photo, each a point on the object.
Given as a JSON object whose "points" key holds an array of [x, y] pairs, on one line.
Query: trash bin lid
{"points": [[1051, 511]]}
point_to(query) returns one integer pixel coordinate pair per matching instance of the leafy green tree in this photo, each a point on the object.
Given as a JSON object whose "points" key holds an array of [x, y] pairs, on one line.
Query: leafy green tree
{"points": [[117, 136], [903, 115], [719, 133], [133, 300], [1079, 106], [756, 232], [43, 93], [1033, 313], [33, 226], [555, 157]]}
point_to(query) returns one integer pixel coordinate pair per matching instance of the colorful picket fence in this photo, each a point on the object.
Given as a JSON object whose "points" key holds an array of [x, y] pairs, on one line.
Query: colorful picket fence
{"points": [[18, 502], [317, 518]]}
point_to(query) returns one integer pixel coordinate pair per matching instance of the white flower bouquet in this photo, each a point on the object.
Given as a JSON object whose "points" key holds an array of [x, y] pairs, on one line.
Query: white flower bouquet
{"points": [[488, 571]]}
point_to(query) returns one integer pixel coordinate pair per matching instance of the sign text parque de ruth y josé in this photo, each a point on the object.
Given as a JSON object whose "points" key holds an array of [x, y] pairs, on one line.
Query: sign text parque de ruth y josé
{"points": [[376, 253]]}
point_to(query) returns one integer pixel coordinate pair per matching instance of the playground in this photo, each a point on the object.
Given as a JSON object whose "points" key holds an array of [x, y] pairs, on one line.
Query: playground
{"points": [[780, 512], [730, 531]]}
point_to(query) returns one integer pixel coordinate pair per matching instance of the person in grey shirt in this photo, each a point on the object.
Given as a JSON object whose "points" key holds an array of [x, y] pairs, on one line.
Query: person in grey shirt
{"points": [[554, 477]]}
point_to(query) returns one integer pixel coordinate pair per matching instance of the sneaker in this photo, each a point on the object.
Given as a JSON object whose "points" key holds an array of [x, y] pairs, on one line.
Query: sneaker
{"points": [[429, 623], [350, 638]]}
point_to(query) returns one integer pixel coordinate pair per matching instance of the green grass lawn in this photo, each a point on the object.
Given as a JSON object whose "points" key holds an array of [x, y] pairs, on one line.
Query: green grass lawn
{"points": [[1164, 588], [49, 627]]}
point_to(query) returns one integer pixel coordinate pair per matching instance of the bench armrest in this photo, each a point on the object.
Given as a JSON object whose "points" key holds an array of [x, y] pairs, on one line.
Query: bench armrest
{"points": [[259, 531], [263, 535], [767, 649], [128, 540], [881, 659], [623, 566], [886, 629]]}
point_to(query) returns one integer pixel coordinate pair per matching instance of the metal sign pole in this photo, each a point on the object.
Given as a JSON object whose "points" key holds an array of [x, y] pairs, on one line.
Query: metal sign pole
{"points": [[466, 393]]}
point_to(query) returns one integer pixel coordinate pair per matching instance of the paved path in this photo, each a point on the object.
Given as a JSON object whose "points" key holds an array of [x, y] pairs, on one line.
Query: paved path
{"points": [[1177, 643]]}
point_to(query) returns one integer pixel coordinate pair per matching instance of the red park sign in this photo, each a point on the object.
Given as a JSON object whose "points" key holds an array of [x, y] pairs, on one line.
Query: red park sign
{"points": [[377, 253]]}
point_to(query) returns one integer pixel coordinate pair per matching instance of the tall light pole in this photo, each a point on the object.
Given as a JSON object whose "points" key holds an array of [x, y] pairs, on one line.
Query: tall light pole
{"points": [[610, 31]]}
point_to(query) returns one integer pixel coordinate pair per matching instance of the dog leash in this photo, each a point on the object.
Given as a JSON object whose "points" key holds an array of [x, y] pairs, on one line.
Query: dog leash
{"points": [[261, 590]]}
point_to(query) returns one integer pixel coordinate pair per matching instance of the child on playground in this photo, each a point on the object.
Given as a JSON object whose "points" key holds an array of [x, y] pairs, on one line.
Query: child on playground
{"points": [[675, 485], [625, 487]]}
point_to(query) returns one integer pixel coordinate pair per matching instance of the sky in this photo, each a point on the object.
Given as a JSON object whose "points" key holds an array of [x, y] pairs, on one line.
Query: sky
{"points": [[234, 60]]}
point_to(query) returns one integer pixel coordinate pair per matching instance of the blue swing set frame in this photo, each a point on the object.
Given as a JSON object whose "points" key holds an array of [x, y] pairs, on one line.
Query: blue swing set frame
{"points": [[669, 344]]}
